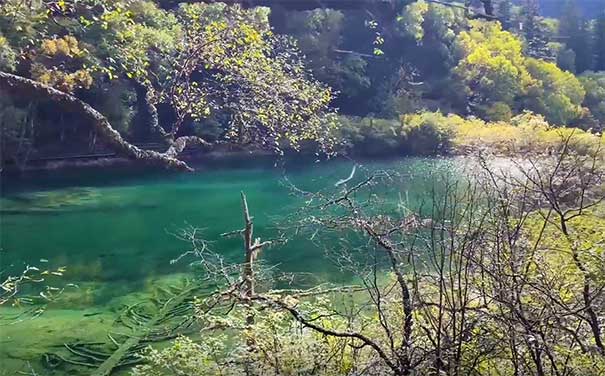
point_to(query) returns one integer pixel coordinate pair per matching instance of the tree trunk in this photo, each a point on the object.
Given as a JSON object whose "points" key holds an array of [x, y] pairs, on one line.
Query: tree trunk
{"points": [[146, 121]]}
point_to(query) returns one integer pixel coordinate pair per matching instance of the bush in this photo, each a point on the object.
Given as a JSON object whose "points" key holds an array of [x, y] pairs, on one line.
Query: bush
{"points": [[369, 136], [498, 111], [427, 133], [432, 133], [525, 133]]}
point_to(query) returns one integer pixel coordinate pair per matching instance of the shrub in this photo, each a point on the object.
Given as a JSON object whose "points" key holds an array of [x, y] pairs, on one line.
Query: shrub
{"points": [[432, 133], [498, 111], [427, 133], [369, 136], [525, 133]]}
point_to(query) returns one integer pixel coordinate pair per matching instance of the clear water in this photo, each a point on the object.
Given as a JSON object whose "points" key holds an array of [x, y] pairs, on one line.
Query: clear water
{"points": [[113, 231]]}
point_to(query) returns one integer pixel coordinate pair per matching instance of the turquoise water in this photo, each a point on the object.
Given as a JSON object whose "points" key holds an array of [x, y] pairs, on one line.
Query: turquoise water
{"points": [[113, 231]]}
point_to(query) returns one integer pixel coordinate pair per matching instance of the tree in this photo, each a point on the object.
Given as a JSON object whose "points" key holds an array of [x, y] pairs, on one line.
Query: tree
{"points": [[499, 272], [574, 31], [199, 60], [491, 66], [535, 32], [505, 13], [497, 74], [594, 85], [599, 42], [556, 94]]}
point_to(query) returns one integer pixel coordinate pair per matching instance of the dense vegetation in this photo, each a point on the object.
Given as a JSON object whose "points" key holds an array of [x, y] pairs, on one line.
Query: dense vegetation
{"points": [[501, 272], [207, 74]]}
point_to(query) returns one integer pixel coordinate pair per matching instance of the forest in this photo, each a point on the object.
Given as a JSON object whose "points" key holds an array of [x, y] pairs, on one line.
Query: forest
{"points": [[301, 187]]}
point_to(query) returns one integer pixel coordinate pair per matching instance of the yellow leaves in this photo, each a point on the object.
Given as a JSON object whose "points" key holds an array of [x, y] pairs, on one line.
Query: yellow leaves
{"points": [[66, 46], [555, 253], [251, 35], [61, 80], [49, 47], [378, 52], [62, 47], [524, 133], [83, 78], [492, 58]]}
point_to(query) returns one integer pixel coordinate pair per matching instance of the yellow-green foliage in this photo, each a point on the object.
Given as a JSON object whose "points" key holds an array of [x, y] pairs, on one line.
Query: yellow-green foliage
{"points": [[8, 57], [65, 81], [58, 63], [555, 250], [495, 73], [430, 133], [524, 133], [594, 85], [498, 111], [559, 94], [274, 345], [426, 134], [412, 18], [137, 34], [66, 46], [492, 62], [369, 136], [257, 77]]}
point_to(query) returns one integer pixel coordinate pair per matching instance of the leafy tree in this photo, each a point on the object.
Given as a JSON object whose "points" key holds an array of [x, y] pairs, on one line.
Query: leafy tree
{"points": [[496, 74], [555, 93], [505, 13], [320, 35], [599, 42], [574, 31], [566, 59], [535, 32], [434, 28], [198, 60], [248, 73], [492, 65]]}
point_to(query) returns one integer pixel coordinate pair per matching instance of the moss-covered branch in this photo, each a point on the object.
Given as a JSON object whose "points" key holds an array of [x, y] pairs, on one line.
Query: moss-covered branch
{"points": [[21, 86]]}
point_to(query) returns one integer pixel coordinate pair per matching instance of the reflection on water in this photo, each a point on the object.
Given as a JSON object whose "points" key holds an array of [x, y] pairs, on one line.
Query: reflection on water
{"points": [[113, 233]]}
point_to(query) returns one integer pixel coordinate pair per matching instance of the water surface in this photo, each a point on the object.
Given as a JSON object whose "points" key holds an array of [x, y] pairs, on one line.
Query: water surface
{"points": [[113, 231]]}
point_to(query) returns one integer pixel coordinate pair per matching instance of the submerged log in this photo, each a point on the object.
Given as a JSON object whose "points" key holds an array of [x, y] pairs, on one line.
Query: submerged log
{"points": [[147, 322], [145, 332]]}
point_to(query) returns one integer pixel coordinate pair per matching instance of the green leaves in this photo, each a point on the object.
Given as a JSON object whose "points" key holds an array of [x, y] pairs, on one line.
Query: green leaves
{"points": [[256, 77], [494, 71]]}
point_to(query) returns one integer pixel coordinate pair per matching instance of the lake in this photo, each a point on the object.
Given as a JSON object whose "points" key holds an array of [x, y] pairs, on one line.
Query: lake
{"points": [[114, 233]]}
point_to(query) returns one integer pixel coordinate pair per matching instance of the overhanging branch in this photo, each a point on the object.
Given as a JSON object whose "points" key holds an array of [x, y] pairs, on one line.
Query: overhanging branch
{"points": [[36, 90]]}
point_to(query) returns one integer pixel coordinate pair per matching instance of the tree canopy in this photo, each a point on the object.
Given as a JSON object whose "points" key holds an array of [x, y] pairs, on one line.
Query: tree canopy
{"points": [[200, 60]]}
